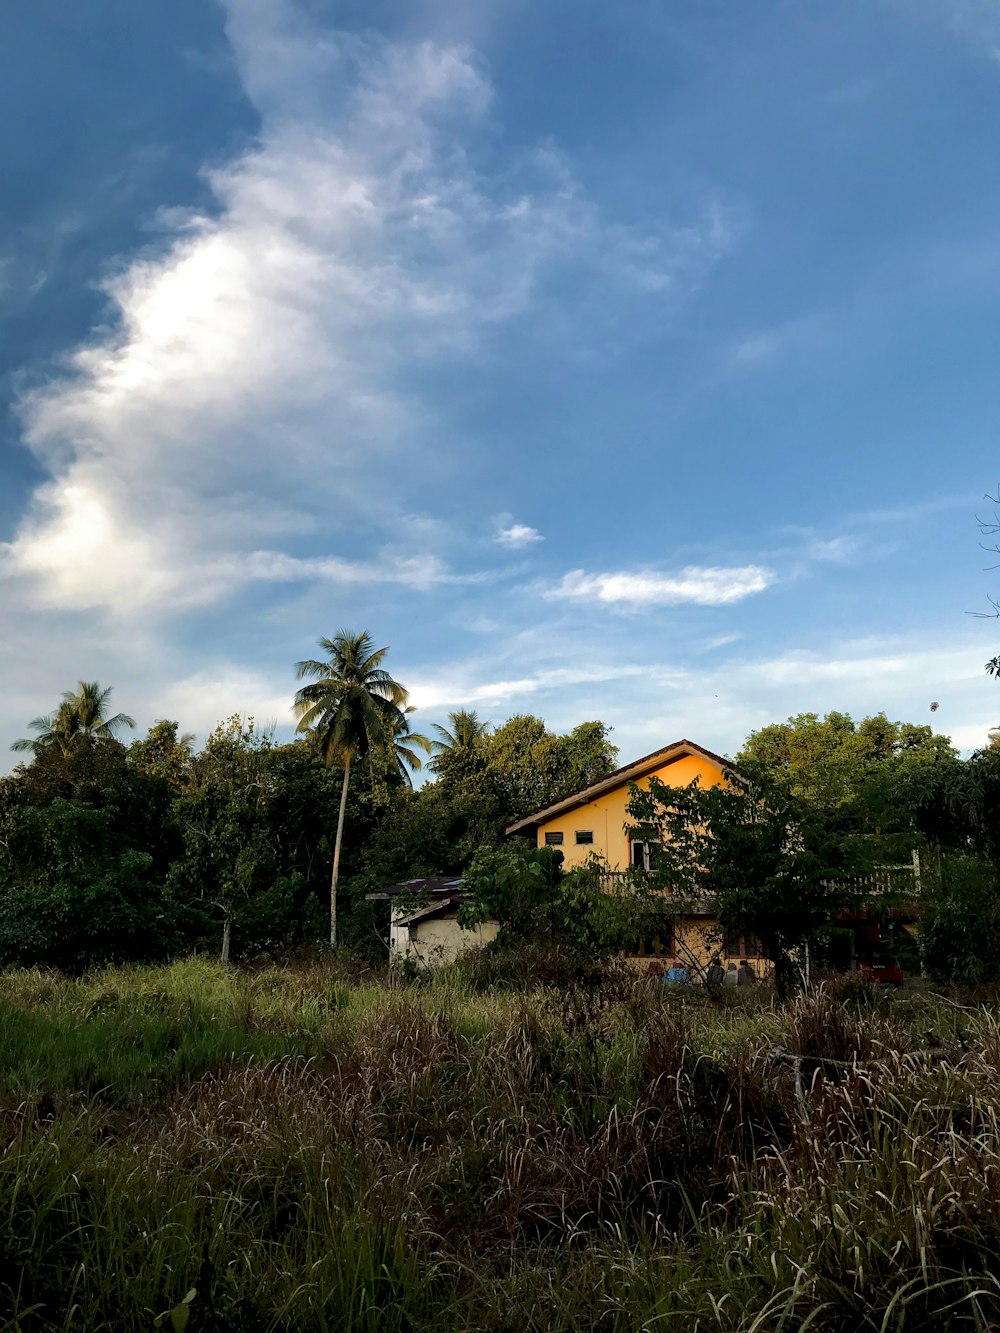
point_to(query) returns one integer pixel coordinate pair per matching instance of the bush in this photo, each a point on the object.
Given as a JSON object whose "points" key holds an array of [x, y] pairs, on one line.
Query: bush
{"points": [[960, 931]]}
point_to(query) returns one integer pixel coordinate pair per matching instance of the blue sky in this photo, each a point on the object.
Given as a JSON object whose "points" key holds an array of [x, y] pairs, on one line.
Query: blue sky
{"points": [[635, 362]]}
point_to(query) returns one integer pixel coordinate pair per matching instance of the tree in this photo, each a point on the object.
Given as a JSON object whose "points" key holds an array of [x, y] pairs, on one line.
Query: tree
{"points": [[405, 744], [55, 732], [85, 843], [960, 928], [228, 857], [529, 766], [164, 754], [466, 731], [527, 892], [352, 706], [80, 718], [829, 760], [762, 859]]}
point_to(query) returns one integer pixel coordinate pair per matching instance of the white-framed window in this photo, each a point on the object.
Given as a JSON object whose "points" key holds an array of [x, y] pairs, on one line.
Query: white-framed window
{"points": [[641, 854]]}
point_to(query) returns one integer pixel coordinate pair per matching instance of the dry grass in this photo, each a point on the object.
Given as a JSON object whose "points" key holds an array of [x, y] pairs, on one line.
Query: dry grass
{"points": [[305, 1152]]}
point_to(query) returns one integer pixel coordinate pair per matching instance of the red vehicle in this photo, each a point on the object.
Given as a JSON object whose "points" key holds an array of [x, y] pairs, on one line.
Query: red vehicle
{"points": [[881, 971]]}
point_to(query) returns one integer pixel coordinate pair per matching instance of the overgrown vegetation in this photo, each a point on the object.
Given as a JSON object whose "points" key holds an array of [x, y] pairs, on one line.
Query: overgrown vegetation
{"points": [[294, 1149], [114, 853], [143, 852]]}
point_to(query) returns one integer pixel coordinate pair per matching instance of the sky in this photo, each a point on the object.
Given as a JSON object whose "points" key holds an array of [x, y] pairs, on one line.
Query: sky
{"points": [[634, 362]]}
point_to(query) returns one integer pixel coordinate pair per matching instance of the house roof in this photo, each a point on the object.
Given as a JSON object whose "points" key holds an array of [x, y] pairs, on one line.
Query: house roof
{"points": [[433, 886], [639, 768], [431, 909]]}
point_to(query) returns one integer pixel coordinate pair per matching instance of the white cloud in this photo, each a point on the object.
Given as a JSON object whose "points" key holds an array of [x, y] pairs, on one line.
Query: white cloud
{"points": [[517, 535], [249, 376], [833, 550], [460, 689], [208, 696], [703, 586], [761, 346]]}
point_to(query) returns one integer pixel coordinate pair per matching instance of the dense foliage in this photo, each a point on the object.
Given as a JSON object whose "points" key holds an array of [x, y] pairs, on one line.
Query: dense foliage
{"points": [[115, 852], [751, 852]]}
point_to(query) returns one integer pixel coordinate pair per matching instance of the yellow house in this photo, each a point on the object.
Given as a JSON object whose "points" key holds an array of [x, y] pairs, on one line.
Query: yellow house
{"points": [[594, 821]]}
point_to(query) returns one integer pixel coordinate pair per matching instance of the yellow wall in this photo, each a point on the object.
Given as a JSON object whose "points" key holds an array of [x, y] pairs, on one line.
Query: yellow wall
{"points": [[606, 815], [699, 938]]}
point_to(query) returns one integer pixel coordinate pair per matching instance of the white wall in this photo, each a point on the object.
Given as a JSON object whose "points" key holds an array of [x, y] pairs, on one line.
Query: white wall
{"points": [[436, 939]]}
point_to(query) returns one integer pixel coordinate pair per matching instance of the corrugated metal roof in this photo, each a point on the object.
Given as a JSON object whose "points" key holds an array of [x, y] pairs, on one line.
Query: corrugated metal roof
{"points": [[433, 886]]}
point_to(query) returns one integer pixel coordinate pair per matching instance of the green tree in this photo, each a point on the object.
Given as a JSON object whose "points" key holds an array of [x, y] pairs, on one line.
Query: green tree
{"points": [[527, 892], [960, 927], [73, 893], [763, 860], [956, 804], [55, 731], [352, 706], [833, 761], [529, 766], [228, 858], [466, 730], [163, 753], [82, 717], [404, 746]]}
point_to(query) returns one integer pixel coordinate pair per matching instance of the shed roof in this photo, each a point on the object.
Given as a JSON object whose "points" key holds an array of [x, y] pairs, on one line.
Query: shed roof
{"points": [[639, 768], [430, 909], [431, 886]]}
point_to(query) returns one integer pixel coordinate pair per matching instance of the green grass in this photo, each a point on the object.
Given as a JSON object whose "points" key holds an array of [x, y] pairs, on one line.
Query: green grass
{"points": [[301, 1152]]}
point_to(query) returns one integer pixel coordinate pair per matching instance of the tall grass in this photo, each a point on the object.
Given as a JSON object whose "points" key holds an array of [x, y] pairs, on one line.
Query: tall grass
{"points": [[303, 1152]]}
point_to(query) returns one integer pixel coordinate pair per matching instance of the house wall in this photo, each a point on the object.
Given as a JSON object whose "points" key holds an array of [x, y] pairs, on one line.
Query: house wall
{"points": [[699, 938], [436, 940], [606, 816]]}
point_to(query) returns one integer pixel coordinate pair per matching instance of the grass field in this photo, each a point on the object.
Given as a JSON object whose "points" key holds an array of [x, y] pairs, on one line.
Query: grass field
{"points": [[286, 1149]]}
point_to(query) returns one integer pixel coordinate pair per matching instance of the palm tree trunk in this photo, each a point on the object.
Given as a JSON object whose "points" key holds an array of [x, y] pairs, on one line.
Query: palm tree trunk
{"points": [[336, 854]]}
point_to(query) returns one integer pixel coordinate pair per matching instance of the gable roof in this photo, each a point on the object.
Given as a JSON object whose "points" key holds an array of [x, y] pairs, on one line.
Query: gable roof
{"points": [[639, 768]]}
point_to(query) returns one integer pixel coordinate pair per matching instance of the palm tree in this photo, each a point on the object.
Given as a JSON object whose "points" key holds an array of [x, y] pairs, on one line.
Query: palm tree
{"points": [[352, 706], [82, 716], [54, 729], [403, 741], [90, 704], [466, 729]]}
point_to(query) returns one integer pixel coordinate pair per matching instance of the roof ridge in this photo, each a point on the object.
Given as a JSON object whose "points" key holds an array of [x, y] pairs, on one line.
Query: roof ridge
{"points": [[603, 784]]}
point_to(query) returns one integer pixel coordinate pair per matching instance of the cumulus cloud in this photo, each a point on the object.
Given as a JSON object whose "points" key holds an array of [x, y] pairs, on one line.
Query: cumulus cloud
{"points": [[517, 535], [249, 378], [698, 585]]}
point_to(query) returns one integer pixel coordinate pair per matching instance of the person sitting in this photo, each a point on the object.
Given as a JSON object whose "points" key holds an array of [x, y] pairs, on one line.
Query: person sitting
{"points": [[730, 979], [716, 972], [746, 975]]}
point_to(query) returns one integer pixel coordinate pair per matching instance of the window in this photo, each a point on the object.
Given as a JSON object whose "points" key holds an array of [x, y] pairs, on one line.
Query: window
{"points": [[742, 946], [641, 854], [553, 839], [657, 943], [584, 837]]}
